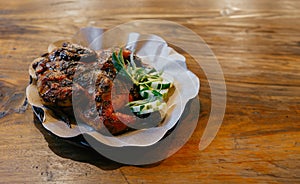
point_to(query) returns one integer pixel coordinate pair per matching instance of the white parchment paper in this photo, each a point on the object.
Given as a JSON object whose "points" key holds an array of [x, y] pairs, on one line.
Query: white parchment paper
{"points": [[154, 51]]}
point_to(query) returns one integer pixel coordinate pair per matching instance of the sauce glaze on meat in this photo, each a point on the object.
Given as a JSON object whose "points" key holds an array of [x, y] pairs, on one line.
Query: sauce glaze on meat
{"points": [[55, 82]]}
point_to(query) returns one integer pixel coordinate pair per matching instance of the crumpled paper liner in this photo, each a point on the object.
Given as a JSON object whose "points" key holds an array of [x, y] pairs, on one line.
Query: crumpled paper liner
{"points": [[154, 51]]}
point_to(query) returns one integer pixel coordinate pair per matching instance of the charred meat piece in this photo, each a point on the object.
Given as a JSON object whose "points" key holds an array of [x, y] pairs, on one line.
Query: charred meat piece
{"points": [[104, 109], [55, 71], [111, 97]]}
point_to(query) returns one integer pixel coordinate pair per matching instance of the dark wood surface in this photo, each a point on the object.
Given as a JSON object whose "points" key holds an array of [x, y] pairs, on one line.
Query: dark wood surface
{"points": [[258, 46]]}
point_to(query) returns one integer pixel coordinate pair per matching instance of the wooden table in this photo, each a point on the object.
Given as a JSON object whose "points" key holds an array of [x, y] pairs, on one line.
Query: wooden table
{"points": [[257, 44]]}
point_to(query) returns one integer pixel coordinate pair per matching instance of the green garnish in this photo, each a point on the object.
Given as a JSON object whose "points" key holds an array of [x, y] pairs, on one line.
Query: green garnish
{"points": [[153, 87]]}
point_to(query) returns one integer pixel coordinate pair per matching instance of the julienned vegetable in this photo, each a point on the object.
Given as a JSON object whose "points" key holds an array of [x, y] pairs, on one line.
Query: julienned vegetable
{"points": [[153, 87]]}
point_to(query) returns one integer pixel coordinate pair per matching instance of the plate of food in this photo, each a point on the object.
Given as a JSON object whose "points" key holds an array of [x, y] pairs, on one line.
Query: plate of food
{"points": [[121, 92]]}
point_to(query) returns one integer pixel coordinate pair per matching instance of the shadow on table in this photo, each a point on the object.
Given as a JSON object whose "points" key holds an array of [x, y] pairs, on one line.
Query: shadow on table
{"points": [[74, 149], [78, 149]]}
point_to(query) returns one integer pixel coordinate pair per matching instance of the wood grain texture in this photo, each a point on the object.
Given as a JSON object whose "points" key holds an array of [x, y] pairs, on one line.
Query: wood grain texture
{"points": [[258, 46]]}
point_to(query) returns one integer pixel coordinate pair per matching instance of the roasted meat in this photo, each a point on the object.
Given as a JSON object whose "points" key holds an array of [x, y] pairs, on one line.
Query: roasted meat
{"points": [[100, 104], [55, 71]]}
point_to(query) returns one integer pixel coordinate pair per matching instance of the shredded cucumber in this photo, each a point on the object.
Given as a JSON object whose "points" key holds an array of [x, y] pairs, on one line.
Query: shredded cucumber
{"points": [[154, 86], [149, 107], [148, 93], [154, 91], [161, 84]]}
